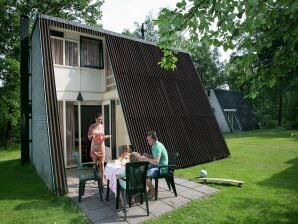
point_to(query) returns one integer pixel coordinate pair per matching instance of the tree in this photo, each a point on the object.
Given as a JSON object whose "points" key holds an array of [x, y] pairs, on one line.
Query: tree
{"points": [[9, 97], [205, 60], [86, 11], [151, 31], [250, 27]]}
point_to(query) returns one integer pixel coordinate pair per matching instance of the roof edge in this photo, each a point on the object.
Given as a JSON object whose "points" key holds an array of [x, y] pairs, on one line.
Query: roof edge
{"points": [[98, 29]]}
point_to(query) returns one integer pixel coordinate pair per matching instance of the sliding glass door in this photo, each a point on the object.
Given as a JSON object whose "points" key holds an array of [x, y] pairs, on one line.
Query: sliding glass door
{"points": [[67, 118], [88, 114]]}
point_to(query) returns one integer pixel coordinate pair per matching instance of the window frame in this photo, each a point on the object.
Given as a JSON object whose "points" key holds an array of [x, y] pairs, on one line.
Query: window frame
{"points": [[100, 50], [78, 56], [63, 52], [63, 56]]}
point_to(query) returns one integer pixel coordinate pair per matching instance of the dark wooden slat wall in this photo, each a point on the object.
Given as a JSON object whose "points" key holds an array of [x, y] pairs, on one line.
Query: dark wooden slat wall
{"points": [[172, 103], [59, 173]]}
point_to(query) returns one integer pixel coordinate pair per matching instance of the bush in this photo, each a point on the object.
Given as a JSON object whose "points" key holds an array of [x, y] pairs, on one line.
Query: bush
{"points": [[295, 125], [271, 124]]}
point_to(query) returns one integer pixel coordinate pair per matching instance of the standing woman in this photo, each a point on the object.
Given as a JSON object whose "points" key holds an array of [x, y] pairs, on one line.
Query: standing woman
{"points": [[97, 150]]}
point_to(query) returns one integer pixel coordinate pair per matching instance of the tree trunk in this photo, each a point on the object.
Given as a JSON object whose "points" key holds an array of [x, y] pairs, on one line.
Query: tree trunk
{"points": [[8, 134], [280, 105], [280, 110]]}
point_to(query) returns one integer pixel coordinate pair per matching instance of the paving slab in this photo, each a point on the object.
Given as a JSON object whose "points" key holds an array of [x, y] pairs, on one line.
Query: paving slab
{"points": [[98, 211]]}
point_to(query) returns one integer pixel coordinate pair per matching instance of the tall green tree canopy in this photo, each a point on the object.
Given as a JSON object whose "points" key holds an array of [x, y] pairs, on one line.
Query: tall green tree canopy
{"points": [[86, 11], [263, 33]]}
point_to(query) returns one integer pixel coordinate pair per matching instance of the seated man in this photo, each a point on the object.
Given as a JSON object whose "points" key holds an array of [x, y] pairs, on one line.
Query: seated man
{"points": [[159, 157]]}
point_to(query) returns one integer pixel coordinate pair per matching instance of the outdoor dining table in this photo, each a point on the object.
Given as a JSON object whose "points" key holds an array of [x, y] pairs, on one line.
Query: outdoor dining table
{"points": [[112, 169]]}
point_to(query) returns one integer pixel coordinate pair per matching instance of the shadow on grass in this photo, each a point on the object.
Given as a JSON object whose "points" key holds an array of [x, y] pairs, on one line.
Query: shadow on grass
{"points": [[285, 179]]}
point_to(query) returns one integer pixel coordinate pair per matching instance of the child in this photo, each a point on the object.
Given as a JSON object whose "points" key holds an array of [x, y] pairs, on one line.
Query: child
{"points": [[134, 156], [125, 153]]}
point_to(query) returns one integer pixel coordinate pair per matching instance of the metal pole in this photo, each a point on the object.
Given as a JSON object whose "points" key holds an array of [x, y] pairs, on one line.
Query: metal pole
{"points": [[24, 93]]}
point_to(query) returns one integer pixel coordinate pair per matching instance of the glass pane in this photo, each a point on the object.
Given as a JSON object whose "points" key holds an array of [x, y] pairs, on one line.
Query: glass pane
{"points": [[107, 123], [70, 133], [71, 53], [57, 51], [91, 53]]}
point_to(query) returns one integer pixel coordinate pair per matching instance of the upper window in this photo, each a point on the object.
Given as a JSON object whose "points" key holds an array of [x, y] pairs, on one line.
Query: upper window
{"points": [[71, 53], [69, 49], [57, 51], [91, 53]]}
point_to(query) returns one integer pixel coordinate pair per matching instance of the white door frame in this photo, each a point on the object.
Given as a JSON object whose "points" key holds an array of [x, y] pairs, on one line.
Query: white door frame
{"points": [[104, 103]]}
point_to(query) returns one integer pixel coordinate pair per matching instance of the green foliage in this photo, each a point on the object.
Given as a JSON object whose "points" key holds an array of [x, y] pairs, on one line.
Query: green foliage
{"points": [[169, 60], [266, 160], [251, 28], [272, 124], [10, 100], [82, 11], [206, 62], [151, 31]]}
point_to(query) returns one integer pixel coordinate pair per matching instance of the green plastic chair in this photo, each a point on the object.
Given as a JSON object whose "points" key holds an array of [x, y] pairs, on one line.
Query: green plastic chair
{"points": [[136, 174], [167, 172], [120, 149], [87, 171]]}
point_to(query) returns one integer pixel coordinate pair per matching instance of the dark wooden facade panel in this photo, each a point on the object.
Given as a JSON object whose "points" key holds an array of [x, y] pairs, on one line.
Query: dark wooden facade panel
{"points": [[59, 174], [172, 103]]}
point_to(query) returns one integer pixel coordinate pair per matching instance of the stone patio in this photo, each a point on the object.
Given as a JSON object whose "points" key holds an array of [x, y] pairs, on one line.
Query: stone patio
{"points": [[98, 211]]}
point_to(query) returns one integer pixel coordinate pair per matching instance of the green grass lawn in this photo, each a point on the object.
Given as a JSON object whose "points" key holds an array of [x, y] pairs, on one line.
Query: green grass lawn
{"points": [[266, 160], [24, 198]]}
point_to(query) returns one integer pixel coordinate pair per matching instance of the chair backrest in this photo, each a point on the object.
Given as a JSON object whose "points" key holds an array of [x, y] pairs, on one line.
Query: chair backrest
{"points": [[77, 158], [173, 158], [173, 162], [136, 174], [87, 168]]}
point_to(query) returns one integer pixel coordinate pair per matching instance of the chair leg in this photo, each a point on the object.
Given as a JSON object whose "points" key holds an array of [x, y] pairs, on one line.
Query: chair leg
{"points": [[141, 198], [81, 189], [146, 199], [117, 194], [156, 187], [173, 185], [108, 190], [99, 185], [124, 204], [168, 183]]}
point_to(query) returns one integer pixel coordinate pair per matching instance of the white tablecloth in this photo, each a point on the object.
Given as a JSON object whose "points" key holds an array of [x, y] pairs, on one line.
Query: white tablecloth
{"points": [[111, 170]]}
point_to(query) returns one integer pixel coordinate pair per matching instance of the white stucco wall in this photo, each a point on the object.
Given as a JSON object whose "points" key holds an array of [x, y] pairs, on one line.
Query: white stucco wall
{"points": [[72, 80], [121, 128]]}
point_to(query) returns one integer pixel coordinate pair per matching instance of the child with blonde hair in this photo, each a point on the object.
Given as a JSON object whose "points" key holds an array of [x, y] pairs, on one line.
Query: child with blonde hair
{"points": [[134, 156]]}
